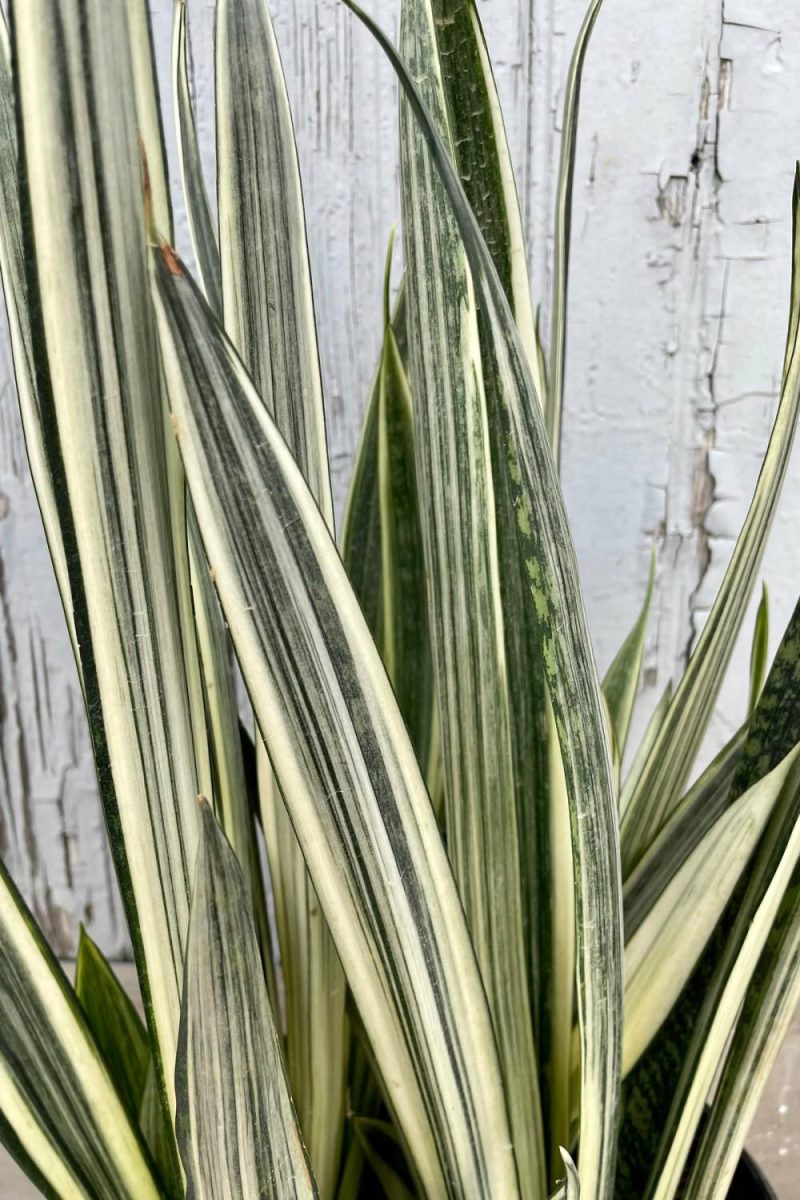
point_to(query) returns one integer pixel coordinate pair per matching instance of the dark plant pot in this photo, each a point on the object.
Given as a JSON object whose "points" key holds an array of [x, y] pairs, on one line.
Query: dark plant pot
{"points": [[749, 1182]]}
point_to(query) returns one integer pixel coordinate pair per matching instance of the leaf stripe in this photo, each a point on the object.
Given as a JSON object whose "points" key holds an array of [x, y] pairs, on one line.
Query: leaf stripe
{"points": [[344, 763], [62, 1116], [571, 677], [236, 1123], [99, 375]]}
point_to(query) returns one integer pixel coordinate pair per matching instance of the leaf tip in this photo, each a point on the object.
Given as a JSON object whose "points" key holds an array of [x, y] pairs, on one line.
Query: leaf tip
{"points": [[174, 264]]}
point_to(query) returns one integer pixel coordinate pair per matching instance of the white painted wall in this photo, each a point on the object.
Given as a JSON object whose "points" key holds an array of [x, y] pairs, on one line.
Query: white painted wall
{"points": [[689, 133]]}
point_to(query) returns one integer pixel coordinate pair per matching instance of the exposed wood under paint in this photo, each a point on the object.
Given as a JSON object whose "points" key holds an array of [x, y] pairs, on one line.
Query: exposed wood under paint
{"points": [[690, 129]]}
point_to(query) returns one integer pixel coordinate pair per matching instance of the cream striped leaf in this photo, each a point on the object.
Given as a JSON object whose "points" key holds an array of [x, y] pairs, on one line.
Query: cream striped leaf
{"points": [[148, 111], [563, 228], [62, 1116], [363, 551], [621, 681], [483, 159], [769, 1008], [480, 153], [661, 954], [571, 677], [658, 1083], [759, 650], [703, 805], [343, 760], [222, 715], [572, 1183], [198, 208], [405, 642], [775, 865], [97, 352], [263, 235], [236, 1124], [15, 288], [269, 315], [678, 740], [464, 554]]}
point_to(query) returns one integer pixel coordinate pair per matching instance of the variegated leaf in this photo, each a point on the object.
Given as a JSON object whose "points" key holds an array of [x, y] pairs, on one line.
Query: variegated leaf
{"points": [[198, 208], [563, 228], [342, 758], [661, 954], [268, 313], [237, 1129], [61, 1115], [96, 349], [571, 677], [467, 518]]}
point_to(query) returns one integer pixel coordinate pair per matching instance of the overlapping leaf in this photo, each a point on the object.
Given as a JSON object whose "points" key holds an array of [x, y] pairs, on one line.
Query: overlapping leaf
{"points": [[236, 1124], [98, 367], [62, 1115], [571, 678], [268, 312], [342, 758]]}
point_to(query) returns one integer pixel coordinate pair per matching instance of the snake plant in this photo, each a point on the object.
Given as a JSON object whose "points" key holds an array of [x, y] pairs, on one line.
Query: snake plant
{"points": [[436, 930]]}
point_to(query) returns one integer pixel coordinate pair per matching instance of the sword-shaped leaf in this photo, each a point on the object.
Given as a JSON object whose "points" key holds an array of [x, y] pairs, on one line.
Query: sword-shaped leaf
{"points": [[563, 228], [769, 1008], [759, 649], [342, 758], [701, 807], [621, 682], [268, 311], [772, 871], [198, 208], [98, 364], [477, 577], [15, 289], [114, 1022], [62, 1117], [661, 954], [658, 1101], [237, 1129], [571, 676], [404, 622]]}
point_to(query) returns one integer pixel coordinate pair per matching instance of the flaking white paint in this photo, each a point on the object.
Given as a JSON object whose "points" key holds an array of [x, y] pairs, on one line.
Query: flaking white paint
{"points": [[690, 129]]}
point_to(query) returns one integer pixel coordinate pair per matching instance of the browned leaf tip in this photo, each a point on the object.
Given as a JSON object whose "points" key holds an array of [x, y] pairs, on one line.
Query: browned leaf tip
{"points": [[147, 191], [171, 259]]}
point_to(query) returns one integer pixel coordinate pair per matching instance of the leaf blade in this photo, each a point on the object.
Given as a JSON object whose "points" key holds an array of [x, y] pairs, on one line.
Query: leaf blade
{"points": [[236, 1125], [98, 361], [411, 891], [62, 1115], [268, 308], [571, 676]]}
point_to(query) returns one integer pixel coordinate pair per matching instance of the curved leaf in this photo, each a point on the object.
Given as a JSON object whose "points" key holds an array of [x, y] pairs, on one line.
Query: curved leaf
{"points": [[570, 672], [342, 758], [98, 366], [62, 1116], [236, 1125], [198, 208], [268, 311]]}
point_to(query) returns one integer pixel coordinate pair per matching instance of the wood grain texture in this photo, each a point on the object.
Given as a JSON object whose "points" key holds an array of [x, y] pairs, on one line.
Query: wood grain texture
{"points": [[689, 133]]}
